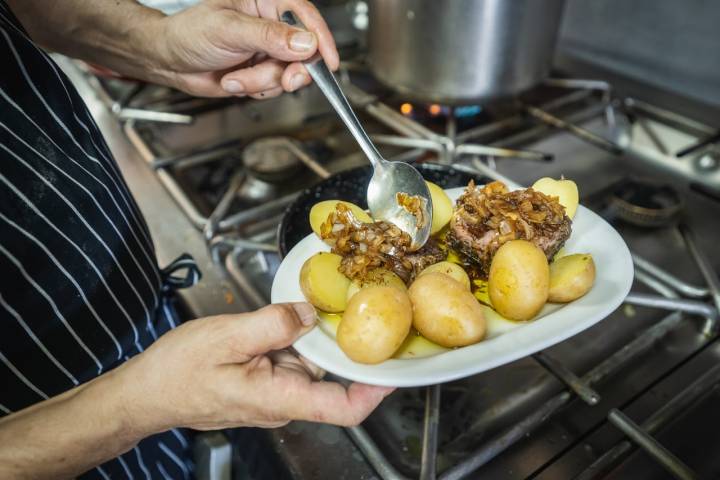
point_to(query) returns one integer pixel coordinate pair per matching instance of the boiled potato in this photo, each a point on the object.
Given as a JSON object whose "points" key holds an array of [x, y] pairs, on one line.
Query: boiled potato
{"points": [[519, 280], [571, 277], [375, 324], [322, 283], [320, 211], [445, 312], [565, 190], [448, 268], [442, 207], [379, 276]]}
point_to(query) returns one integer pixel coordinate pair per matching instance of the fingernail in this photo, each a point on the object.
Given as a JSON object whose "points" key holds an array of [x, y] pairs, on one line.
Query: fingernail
{"points": [[297, 81], [306, 312], [302, 41], [233, 86]]}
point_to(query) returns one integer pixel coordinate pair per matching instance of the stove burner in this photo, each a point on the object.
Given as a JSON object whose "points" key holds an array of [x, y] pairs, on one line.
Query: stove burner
{"points": [[645, 204], [271, 159]]}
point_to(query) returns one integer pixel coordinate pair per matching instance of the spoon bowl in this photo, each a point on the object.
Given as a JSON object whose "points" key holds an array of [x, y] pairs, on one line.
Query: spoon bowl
{"points": [[389, 179]]}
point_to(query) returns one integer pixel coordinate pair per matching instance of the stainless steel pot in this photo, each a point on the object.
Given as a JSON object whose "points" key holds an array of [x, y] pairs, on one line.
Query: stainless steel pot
{"points": [[462, 51]]}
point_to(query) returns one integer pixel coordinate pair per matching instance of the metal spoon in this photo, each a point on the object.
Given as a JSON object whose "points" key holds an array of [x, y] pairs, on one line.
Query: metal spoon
{"points": [[389, 178]]}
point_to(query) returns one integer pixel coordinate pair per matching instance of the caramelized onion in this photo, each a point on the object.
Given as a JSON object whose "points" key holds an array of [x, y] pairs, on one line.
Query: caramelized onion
{"points": [[364, 246]]}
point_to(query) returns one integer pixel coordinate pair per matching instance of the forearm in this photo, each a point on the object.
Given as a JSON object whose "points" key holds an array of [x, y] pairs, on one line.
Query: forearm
{"points": [[116, 34], [71, 433]]}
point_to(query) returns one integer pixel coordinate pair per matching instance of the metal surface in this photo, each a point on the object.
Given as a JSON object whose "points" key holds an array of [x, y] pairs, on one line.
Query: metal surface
{"points": [[212, 453], [428, 462], [373, 454], [582, 133], [671, 463], [669, 279], [464, 51], [668, 413], [389, 178], [708, 273], [575, 383], [673, 304]]}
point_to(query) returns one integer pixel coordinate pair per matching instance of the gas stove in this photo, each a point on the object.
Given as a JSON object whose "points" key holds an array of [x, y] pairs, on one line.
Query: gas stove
{"points": [[631, 397]]}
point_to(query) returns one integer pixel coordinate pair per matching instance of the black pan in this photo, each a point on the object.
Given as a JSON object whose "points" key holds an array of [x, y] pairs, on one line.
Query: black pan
{"points": [[351, 186]]}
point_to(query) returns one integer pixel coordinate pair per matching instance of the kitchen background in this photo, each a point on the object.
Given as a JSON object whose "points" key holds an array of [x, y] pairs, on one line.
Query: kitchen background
{"points": [[630, 111]]}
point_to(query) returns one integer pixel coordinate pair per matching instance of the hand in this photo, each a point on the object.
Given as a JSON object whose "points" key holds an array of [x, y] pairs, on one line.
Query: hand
{"points": [[239, 47], [229, 371]]}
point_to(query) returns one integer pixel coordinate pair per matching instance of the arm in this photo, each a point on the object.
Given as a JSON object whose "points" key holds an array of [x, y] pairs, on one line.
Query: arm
{"points": [[219, 372], [202, 50], [70, 433]]}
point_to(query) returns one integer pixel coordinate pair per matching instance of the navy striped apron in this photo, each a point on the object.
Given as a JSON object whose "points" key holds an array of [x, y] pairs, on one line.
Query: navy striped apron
{"points": [[80, 289]]}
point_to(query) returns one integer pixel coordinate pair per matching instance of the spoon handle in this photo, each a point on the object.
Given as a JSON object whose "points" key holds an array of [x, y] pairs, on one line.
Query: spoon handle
{"points": [[327, 83]]}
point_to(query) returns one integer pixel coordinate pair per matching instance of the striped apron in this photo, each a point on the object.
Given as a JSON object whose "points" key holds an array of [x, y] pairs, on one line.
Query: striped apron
{"points": [[80, 289]]}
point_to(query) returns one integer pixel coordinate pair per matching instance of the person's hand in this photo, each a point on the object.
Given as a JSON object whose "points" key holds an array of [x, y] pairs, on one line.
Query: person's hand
{"points": [[230, 371], [239, 47]]}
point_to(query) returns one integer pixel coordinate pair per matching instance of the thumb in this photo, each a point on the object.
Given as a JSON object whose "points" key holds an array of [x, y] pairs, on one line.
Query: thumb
{"points": [[270, 328], [277, 39]]}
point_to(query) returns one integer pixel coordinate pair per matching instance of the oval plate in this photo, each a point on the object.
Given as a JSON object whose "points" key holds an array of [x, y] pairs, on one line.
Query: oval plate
{"points": [[506, 341]]}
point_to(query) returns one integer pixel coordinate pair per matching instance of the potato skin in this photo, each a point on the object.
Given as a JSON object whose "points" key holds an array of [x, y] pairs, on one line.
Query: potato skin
{"points": [[519, 280], [565, 190], [375, 324], [320, 211], [571, 277], [322, 283], [377, 277], [442, 207], [445, 312], [454, 270]]}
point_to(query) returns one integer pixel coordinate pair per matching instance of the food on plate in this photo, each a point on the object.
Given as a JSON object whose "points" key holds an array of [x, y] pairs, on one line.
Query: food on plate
{"points": [[320, 211], [442, 208], [487, 217], [565, 190], [495, 254], [414, 205], [448, 268], [377, 277], [571, 277], [519, 280], [367, 246], [445, 312], [323, 284], [375, 324]]}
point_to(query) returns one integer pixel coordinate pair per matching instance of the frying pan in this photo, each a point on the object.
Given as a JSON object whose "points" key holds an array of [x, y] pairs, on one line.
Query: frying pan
{"points": [[351, 186]]}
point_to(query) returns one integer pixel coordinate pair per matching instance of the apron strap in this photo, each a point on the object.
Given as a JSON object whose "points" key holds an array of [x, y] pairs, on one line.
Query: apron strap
{"points": [[172, 277]]}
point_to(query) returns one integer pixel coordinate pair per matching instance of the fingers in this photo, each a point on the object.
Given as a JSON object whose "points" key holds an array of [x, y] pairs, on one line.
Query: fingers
{"points": [[266, 79], [330, 402], [271, 328], [273, 92], [294, 77], [254, 80], [306, 13], [313, 21], [278, 40], [287, 360], [316, 372]]}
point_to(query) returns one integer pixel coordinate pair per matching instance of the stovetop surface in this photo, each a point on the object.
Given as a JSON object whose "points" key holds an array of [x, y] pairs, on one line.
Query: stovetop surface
{"points": [[476, 410]]}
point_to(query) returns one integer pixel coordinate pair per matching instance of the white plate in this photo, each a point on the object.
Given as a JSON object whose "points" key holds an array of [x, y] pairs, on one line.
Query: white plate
{"points": [[506, 341]]}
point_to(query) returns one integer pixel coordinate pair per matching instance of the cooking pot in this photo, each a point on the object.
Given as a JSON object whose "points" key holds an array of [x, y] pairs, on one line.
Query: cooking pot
{"points": [[462, 51], [351, 186]]}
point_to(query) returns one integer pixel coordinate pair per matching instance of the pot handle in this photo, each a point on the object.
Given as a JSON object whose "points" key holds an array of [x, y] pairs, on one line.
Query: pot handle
{"points": [[327, 84]]}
